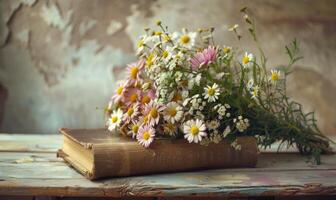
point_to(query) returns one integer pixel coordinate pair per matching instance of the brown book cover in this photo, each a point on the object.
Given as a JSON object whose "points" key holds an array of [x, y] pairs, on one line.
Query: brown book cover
{"points": [[97, 153]]}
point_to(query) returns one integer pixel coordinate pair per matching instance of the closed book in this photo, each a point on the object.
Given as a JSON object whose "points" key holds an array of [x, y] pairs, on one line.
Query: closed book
{"points": [[98, 153]]}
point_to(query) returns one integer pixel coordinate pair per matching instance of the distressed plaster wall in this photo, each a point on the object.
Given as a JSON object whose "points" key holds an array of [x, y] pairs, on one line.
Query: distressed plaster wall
{"points": [[59, 59]]}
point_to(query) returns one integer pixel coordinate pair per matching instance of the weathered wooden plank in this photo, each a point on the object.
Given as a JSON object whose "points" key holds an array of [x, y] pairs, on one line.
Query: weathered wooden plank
{"points": [[44, 174], [210, 183], [30, 142]]}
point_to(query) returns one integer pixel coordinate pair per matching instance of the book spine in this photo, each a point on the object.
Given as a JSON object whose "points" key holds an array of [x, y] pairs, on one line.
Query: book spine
{"points": [[171, 156]]}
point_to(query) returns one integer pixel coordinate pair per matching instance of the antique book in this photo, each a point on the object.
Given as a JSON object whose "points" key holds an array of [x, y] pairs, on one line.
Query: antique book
{"points": [[97, 153]]}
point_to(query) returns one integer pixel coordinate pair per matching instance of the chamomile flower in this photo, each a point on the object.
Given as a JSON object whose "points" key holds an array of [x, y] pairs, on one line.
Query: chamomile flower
{"points": [[194, 130], [133, 129], [211, 92], [255, 92], [114, 121], [248, 60], [169, 128], [185, 39], [146, 135], [152, 111], [167, 54], [134, 70], [132, 95], [275, 76], [173, 112], [132, 111], [227, 50], [120, 92]]}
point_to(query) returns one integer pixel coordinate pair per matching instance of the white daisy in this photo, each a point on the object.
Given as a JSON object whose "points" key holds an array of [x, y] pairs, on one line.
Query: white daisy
{"points": [[185, 39], [255, 92], [247, 60], [167, 54], [114, 120], [211, 92], [275, 76], [173, 112], [194, 130]]}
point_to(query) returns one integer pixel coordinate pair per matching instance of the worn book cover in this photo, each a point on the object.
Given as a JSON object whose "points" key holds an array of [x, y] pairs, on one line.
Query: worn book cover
{"points": [[97, 153]]}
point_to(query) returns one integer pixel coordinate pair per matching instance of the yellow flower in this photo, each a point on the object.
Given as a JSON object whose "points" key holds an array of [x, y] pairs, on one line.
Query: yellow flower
{"points": [[275, 75]]}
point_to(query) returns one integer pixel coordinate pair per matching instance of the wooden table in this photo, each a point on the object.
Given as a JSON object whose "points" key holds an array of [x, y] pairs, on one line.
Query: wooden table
{"points": [[29, 167]]}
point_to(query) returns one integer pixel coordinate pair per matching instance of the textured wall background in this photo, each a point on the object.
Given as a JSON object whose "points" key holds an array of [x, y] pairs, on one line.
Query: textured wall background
{"points": [[59, 59]]}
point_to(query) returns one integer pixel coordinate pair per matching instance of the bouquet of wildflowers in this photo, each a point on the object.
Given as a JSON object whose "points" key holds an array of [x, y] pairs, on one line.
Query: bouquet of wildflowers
{"points": [[186, 86]]}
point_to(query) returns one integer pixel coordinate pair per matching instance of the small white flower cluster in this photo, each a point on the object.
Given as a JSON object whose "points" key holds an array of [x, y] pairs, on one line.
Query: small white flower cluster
{"points": [[222, 110], [241, 124]]}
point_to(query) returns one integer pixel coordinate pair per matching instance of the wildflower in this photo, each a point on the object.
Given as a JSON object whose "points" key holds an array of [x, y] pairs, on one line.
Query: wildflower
{"points": [[132, 95], [241, 124], [131, 112], [120, 92], [150, 60], [275, 75], [173, 112], [227, 51], [212, 125], [145, 135], [247, 60], [211, 92], [206, 57], [134, 70], [146, 97], [115, 119], [169, 128], [133, 129], [167, 54], [194, 130], [255, 92], [221, 110], [152, 110], [185, 39]]}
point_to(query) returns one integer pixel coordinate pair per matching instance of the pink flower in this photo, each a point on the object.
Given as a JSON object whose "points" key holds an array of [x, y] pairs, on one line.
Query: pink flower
{"points": [[119, 92], [152, 113], [206, 57], [134, 71], [132, 96], [131, 112], [146, 135], [146, 97]]}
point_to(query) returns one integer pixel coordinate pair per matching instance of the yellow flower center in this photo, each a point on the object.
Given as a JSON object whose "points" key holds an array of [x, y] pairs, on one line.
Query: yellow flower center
{"points": [[141, 43], [134, 72], [114, 119], [120, 90], [154, 113], [145, 99], [150, 60], [226, 50], [185, 39], [135, 128], [166, 38], [172, 112], [194, 130], [165, 54], [158, 33], [145, 135], [246, 60], [133, 97], [211, 92], [130, 111], [275, 76]]}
